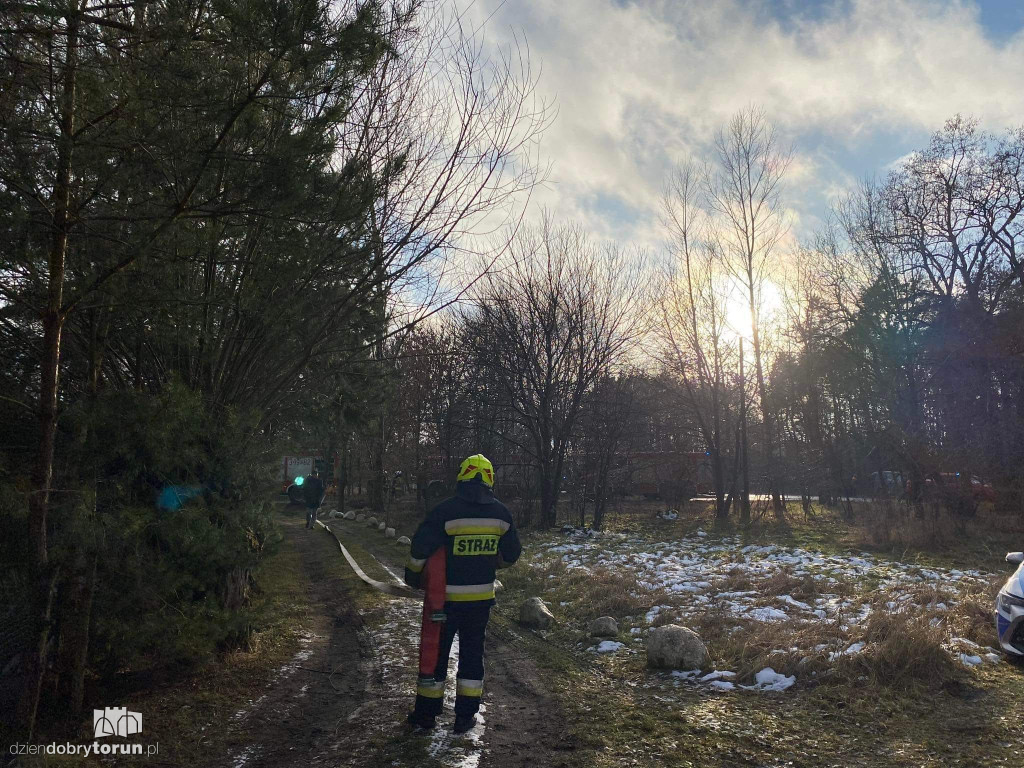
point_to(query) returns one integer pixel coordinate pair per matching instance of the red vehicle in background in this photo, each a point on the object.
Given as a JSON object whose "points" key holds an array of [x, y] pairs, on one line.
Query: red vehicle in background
{"points": [[954, 484], [297, 467], [668, 475]]}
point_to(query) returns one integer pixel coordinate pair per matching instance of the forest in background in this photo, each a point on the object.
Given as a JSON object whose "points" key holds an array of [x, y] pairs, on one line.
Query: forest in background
{"points": [[883, 358]]}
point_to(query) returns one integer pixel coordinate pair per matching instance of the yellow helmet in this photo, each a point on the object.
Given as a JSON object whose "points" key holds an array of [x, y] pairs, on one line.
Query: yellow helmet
{"points": [[477, 465]]}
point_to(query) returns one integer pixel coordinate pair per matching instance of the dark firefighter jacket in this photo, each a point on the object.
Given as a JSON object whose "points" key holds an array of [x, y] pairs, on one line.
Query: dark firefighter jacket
{"points": [[313, 491], [478, 535]]}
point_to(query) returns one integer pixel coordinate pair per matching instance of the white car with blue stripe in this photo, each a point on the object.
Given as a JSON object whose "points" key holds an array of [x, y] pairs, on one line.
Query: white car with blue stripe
{"points": [[1010, 608]]}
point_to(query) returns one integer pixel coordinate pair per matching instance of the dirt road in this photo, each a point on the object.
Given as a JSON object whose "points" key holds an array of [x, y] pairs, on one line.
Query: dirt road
{"points": [[342, 699], [296, 721]]}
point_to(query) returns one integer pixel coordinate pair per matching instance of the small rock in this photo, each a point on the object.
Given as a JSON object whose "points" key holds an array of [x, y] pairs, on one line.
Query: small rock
{"points": [[360, 517], [534, 614], [675, 647], [498, 586], [372, 522], [381, 526], [350, 515], [333, 513], [605, 626], [389, 532], [403, 541]]}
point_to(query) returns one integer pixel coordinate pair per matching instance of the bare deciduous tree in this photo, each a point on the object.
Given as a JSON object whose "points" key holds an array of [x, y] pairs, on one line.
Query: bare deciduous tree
{"points": [[563, 313], [743, 190], [694, 318]]}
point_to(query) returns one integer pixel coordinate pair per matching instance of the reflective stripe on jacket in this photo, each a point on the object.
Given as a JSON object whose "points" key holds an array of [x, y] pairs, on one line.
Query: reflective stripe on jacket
{"points": [[478, 535]]}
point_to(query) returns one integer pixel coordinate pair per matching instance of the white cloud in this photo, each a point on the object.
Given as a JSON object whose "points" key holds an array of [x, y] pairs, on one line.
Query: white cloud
{"points": [[640, 85]]}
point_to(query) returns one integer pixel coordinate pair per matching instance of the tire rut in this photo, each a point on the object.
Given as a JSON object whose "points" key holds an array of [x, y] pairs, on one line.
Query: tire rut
{"points": [[301, 718], [525, 726]]}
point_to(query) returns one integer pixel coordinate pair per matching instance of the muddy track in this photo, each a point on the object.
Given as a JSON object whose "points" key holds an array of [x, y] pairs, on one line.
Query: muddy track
{"points": [[524, 724], [297, 721], [342, 699]]}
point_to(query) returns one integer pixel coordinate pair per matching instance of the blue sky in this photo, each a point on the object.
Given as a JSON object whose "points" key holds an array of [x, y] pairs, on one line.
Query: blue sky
{"points": [[853, 85]]}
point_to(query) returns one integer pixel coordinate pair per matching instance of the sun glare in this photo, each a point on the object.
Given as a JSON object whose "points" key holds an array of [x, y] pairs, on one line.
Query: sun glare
{"points": [[737, 312]]}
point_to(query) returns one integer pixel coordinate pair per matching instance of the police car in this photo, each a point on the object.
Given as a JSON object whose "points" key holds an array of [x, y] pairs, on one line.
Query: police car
{"points": [[1010, 609]]}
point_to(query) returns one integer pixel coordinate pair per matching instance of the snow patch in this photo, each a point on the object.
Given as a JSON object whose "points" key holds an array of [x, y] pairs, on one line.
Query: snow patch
{"points": [[851, 651], [718, 675], [770, 680]]}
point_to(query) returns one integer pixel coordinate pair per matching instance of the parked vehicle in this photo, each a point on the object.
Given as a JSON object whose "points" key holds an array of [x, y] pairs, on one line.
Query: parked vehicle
{"points": [[887, 482], [294, 491], [1010, 609], [670, 476], [297, 468], [954, 484]]}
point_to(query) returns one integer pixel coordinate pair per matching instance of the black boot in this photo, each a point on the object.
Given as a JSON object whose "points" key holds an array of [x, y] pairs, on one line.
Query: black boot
{"points": [[419, 720], [463, 723]]}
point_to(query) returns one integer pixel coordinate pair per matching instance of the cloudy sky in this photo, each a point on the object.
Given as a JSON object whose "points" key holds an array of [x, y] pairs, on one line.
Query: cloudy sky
{"points": [[853, 85]]}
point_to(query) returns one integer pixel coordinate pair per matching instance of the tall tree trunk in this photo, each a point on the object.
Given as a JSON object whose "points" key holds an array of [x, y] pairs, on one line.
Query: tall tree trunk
{"points": [[75, 621], [77, 601], [718, 478], [548, 496], [44, 578], [745, 490], [375, 482], [766, 413]]}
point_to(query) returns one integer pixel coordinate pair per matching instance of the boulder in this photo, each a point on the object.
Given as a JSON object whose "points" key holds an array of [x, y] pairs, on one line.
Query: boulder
{"points": [[389, 532], [403, 541], [360, 517], [372, 522], [606, 626], [350, 515], [333, 514], [382, 526], [534, 614], [675, 647]]}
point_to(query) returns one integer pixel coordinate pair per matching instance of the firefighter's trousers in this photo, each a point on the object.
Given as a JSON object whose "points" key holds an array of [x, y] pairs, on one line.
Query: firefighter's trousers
{"points": [[469, 621]]}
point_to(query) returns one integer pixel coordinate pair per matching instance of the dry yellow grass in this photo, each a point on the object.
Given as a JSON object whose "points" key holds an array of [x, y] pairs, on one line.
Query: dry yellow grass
{"points": [[901, 648]]}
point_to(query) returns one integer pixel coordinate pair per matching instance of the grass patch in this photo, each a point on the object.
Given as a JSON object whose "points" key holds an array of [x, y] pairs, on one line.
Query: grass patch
{"points": [[901, 650], [904, 700]]}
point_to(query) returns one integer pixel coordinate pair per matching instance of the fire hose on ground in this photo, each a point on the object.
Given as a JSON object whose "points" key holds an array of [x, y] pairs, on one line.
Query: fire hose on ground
{"points": [[389, 588]]}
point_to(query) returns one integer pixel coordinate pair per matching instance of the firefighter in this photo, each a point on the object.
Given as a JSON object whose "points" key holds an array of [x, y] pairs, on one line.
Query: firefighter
{"points": [[474, 534], [313, 495]]}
